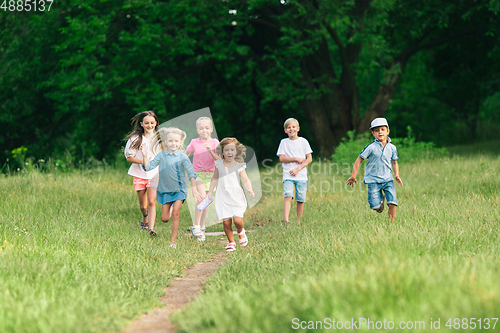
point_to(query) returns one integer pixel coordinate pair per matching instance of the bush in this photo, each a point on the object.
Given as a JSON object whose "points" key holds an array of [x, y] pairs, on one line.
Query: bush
{"points": [[350, 148]]}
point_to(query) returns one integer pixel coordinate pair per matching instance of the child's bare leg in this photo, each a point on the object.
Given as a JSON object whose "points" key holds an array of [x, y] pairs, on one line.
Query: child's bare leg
{"points": [[239, 224], [300, 210], [287, 203], [151, 191], [197, 214], [392, 212], [175, 219], [143, 204], [166, 211], [204, 214], [228, 229]]}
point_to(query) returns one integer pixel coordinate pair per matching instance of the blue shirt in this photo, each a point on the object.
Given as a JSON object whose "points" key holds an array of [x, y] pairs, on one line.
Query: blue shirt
{"points": [[378, 161], [173, 169]]}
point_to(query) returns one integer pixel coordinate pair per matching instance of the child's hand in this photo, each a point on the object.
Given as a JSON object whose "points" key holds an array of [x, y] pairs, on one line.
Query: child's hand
{"points": [[294, 172], [197, 195], [252, 194], [400, 182], [299, 160], [208, 147], [351, 181], [144, 149]]}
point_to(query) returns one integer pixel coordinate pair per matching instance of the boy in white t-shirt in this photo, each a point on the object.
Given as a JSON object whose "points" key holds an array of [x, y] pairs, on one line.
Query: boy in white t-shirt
{"points": [[295, 154]]}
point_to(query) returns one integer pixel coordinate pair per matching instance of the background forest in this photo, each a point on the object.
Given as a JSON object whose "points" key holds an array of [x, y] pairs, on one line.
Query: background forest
{"points": [[72, 78]]}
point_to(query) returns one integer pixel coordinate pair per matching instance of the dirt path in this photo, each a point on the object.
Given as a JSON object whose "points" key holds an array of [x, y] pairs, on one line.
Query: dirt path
{"points": [[178, 295]]}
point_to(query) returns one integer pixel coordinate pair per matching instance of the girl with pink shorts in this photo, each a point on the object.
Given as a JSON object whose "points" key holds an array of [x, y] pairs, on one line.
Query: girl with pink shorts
{"points": [[145, 182]]}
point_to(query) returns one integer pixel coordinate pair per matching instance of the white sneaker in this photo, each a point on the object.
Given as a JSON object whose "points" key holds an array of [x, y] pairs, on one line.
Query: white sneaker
{"points": [[173, 246], [196, 231], [202, 238]]}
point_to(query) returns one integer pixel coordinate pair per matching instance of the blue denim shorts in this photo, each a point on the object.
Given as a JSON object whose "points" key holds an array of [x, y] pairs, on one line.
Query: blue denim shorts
{"points": [[300, 189], [375, 195]]}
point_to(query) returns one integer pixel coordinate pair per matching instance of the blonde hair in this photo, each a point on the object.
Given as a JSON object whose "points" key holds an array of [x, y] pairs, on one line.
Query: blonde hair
{"points": [[290, 120], [159, 140], [204, 118], [240, 149]]}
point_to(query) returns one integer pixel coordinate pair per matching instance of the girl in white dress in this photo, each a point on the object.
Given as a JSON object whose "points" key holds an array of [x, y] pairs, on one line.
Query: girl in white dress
{"points": [[230, 201]]}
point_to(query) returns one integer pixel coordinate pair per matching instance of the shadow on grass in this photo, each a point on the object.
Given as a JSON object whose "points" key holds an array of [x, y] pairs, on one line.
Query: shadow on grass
{"points": [[490, 148]]}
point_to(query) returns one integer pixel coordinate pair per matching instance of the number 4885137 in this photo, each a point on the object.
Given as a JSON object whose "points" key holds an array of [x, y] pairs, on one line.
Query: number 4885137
{"points": [[26, 5]]}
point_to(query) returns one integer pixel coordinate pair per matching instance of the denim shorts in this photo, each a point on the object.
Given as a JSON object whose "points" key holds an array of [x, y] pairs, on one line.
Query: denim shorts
{"points": [[300, 189], [375, 195]]}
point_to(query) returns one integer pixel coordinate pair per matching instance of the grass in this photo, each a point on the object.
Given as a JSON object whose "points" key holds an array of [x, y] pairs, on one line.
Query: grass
{"points": [[437, 260], [73, 258]]}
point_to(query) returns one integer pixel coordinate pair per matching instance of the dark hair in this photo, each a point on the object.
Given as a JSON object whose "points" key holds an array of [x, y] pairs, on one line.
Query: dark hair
{"points": [[138, 129], [240, 149]]}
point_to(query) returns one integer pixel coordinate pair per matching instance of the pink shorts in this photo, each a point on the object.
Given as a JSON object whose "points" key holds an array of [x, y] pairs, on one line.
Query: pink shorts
{"points": [[141, 184]]}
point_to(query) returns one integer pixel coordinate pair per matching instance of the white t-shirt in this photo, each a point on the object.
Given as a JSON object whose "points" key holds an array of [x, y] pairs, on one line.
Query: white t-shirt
{"points": [[135, 169], [294, 148]]}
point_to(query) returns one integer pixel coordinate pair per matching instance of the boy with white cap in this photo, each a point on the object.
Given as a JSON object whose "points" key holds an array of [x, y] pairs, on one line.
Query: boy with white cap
{"points": [[380, 154]]}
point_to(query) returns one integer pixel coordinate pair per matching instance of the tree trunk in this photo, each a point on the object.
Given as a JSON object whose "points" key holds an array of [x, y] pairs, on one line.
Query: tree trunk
{"points": [[329, 116], [383, 98]]}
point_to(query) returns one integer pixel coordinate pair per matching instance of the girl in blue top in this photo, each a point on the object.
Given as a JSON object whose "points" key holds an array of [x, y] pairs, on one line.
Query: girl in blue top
{"points": [[173, 166]]}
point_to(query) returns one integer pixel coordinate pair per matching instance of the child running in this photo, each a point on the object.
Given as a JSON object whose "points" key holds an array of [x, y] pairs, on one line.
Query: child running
{"points": [[204, 167], [295, 154], [172, 187], [145, 183], [230, 201], [380, 154]]}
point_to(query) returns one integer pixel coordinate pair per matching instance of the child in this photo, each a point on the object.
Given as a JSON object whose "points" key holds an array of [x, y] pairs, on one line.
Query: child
{"points": [[145, 183], [204, 167], [172, 187], [230, 201], [378, 173], [295, 154]]}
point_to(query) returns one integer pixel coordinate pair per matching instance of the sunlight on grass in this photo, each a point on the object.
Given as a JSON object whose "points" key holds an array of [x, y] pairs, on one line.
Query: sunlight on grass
{"points": [[438, 259], [73, 258]]}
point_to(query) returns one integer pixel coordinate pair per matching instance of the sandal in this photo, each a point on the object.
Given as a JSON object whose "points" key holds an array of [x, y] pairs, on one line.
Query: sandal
{"points": [[243, 241], [231, 247], [145, 226], [152, 232]]}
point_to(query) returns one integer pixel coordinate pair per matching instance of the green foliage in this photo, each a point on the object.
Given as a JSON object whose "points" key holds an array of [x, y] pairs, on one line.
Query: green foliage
{"points": [[408, 148]]}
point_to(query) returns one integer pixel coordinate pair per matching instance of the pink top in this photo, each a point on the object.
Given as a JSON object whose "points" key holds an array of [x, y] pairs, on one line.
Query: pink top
{"points": [[202, 159]]}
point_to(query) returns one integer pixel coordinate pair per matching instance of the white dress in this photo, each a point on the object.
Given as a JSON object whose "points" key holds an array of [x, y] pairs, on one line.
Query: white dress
{"points": [[229, 198]]}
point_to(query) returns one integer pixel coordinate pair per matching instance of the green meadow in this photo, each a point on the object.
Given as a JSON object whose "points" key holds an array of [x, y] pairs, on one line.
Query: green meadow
{"points": [[73, 257], [437, 262]]}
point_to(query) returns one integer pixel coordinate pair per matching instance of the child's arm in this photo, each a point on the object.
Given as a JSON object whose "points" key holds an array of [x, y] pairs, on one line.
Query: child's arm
{"points": [[148, 166], [133, 159], [188, 167], [352, 180], [302, 165], [213, 182], [196, 195], [214, 155], [395, 167], [144, 151], [246, 181], [286, 159]]}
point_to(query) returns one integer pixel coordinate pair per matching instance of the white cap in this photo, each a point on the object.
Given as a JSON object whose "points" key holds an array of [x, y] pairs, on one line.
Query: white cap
{"points": [[379, 122]]}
